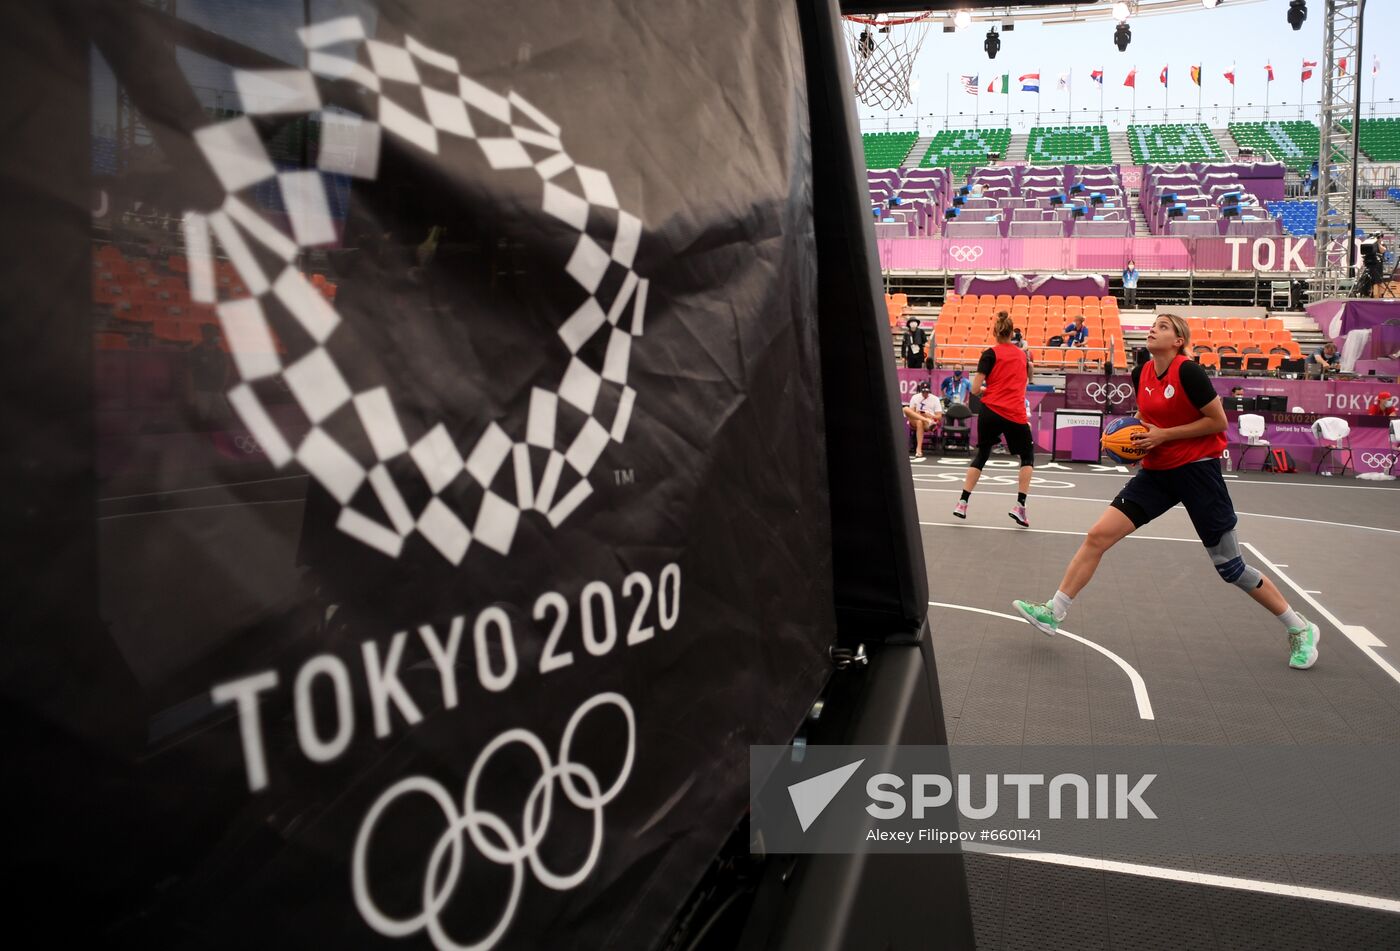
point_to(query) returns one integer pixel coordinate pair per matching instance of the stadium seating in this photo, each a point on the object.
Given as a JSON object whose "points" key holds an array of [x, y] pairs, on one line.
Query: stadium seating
{"points": [[887, 149], [964, 326], [1298, 217], [1294, 143], [1174, 142], [1075, 145], [962, 149], [1394, 193], [144, 303], [1212, 337], [1380, 139]]}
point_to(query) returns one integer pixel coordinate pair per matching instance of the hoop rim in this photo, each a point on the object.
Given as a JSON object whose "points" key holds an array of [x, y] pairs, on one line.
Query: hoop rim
{"points": [[876, 21]]}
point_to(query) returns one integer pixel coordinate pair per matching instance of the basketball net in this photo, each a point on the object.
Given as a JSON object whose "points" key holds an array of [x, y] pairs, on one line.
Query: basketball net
{"points": [[883, 50]]}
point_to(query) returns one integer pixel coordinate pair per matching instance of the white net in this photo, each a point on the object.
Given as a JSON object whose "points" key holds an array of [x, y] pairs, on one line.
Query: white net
{"points": [[883, 51]]}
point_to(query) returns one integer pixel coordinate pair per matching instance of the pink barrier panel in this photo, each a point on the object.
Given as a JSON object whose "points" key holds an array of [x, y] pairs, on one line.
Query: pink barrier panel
{"points": [[1267, 254], [1246, 255]]}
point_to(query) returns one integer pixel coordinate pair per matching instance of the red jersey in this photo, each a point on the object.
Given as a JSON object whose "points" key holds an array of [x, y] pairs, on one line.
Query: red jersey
{"points": [[1005, 391], [1164, 403]]}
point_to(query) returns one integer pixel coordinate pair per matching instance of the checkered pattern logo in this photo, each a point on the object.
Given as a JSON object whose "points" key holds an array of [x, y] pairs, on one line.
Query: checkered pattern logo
{"points": [[422, 98]]}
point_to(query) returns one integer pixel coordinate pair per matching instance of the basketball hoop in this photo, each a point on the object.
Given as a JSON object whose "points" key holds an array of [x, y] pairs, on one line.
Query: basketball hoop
{"points": [[883, 49]]}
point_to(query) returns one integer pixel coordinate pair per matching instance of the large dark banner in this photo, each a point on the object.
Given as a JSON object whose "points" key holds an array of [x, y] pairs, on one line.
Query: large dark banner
{"points": [[430, 504]]}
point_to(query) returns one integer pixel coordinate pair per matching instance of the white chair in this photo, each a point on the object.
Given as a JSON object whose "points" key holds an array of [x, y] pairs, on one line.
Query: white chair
{"points": [[1332, 434], [1252, 432], [1394, 446]]}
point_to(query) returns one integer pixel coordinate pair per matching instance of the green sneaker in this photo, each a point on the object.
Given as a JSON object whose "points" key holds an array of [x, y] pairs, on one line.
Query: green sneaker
{"points": [[1302, 645], [1040, 615]]}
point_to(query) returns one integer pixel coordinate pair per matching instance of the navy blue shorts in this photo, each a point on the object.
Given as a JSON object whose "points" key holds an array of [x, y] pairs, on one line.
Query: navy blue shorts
{"points": [[1198, 486]]}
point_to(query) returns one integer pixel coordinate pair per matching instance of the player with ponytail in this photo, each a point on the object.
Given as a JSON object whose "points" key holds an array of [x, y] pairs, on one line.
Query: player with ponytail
{"points": [[1185, 436], [1000, 380]]}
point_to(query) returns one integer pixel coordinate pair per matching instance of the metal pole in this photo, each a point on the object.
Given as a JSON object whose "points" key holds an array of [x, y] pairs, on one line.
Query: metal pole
{"points": [[947, 79], [1355, 142]]}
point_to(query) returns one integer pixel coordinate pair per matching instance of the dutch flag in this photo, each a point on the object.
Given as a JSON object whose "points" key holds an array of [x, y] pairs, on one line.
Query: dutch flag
{"points": [[1030, 82]]}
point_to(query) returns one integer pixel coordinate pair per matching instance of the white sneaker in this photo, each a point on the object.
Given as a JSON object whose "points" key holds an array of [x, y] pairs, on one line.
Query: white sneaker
{"points": [[917, 459]]}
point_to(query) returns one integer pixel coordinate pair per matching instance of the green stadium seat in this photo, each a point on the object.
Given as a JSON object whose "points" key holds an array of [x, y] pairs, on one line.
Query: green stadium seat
{"points": [[1174, 142], [963, 149], [1295, 143], [887, 149], [1069, 145]]}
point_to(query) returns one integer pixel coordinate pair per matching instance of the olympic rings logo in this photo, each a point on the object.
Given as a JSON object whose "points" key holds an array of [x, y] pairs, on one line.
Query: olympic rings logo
{"points": [[1378, 460], [247, 444], [502, 847], [1106, 392], [965, 253]]}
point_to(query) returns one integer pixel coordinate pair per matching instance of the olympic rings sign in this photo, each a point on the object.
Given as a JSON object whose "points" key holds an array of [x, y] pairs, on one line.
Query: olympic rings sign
{"points": [[1378, 460], [965, 253], [1106, 392], [502, 846]]}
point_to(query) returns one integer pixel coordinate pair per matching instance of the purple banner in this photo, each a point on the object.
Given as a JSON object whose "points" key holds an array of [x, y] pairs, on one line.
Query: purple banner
{"points": [[1369, 442], [1232, 254]]}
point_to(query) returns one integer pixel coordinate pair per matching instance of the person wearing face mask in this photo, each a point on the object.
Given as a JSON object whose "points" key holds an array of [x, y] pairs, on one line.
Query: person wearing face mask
{"points": [[1184, 437], [911, 347], [956, 388]]}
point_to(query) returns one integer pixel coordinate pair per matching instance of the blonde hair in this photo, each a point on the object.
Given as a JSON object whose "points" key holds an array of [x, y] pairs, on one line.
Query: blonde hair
{"points": [[1003, 327], [1182, 329]]}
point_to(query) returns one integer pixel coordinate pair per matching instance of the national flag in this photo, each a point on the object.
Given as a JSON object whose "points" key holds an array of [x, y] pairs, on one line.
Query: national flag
{"points": [[1196, 75], [1132, 78], [1307, 70], [1097, 76], [1342, 66], [1030, 82], [969, 83], [1230, 75], [1269, 71], [1375, 65], [1000, 83], [1064, 81], [1163, 78]]}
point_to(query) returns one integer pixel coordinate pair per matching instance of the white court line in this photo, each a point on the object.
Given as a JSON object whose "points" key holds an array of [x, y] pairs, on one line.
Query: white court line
{"points": [[201, 488], [1358, 635], [1276, 889], [200, 508], [1286, 518], [1144, 705], [1052, 474], [1053, 531]]}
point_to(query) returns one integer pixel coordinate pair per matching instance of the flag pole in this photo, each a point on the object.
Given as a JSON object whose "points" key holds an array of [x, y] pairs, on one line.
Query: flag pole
{"points": [[1267, 86], [1134, 95], [1200, 87], [1102, 77], [1038, 82], [1006, 91], [947, 107]]}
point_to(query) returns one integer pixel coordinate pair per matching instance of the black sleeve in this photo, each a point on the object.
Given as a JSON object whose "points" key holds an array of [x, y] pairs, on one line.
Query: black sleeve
{"points": [[1196, 384], [989, 360]]}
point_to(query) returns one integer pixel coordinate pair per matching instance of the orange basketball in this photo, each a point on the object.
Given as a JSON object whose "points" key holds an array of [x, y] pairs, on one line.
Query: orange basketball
{"points": [[1118, 443]]}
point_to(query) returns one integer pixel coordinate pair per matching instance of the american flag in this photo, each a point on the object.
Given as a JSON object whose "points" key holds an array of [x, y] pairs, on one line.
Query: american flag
{"points": [[969, 83]]}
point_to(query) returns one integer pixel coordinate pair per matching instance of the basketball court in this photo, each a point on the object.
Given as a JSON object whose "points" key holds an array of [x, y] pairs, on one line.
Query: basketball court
{"points": [[1159, 651]]}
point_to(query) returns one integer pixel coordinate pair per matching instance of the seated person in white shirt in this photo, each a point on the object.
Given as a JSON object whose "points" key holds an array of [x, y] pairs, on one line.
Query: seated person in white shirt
{"points": [[923, 412]]}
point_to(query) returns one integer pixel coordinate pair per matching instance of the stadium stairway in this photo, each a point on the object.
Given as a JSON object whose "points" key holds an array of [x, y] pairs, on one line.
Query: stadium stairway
{"points": [[916, 151], [1228, 143], [1016, 151], [1122, 152], [1384, 212]]}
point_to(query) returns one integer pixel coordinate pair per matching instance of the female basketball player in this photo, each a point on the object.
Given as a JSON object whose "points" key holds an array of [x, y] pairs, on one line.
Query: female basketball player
{"points": [[1185, 436], [1000, 381]]}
